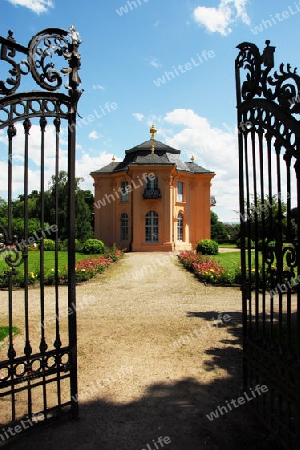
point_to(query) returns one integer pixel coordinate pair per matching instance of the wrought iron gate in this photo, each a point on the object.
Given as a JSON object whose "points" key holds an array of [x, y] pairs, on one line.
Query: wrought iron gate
{"points": [[269, 169], [38, 366]]}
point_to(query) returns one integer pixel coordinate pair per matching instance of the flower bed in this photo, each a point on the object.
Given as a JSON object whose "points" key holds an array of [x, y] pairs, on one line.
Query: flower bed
{"points": [[88, 268], [85, 269], [207, 269]]}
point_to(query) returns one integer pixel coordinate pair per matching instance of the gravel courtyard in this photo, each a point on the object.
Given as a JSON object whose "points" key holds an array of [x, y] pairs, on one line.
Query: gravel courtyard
{"points": [[157, 352]]}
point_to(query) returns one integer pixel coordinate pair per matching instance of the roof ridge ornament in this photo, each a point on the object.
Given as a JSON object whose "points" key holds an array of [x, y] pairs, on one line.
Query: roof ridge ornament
{"points": [[152, 149], [153, 130], [192, 158]]}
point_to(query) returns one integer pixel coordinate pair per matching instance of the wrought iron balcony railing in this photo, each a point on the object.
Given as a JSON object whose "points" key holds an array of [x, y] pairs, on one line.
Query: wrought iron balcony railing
{"points": [[152, 193]]}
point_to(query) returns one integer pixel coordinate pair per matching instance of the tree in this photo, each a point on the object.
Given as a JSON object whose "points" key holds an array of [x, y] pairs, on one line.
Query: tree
{"points": [[84, 229], [218, 231], [233, 231], [33, 205], [263, 215], [89, 200], [18, 227], [83, 226], [3, 208], [84, 211]]}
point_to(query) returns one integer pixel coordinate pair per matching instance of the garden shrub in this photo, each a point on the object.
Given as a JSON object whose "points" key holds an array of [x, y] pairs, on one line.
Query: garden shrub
{"points": [[93, 246], [207, 247], [261, 244], [78, 245], [19, 279], [49, 245]]}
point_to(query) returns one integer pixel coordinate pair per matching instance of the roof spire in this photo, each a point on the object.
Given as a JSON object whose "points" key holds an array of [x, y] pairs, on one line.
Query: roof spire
{"points": [[192, 158], [113, 158], [153, 130]]}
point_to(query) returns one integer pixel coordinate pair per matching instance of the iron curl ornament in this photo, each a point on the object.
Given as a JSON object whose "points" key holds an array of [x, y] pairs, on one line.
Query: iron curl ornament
{"points": [[282, 87], [40, 60], [9, 251]]}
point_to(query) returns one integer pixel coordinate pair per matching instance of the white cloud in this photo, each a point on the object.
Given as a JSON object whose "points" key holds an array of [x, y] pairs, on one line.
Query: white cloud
{"points": [[221, 18], [215, 150], [98, 86], [139, 116], [156, 23], [85, 163], [94, 135], [37, 6], [34, 157], [153, 61]]}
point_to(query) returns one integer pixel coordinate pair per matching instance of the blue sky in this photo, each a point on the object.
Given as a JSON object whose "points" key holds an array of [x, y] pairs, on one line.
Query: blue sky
{"points": [[167, 62]]}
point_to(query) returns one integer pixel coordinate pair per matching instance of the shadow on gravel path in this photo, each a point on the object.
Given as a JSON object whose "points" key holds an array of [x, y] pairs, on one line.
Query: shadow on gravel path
{"points": [[171, 392]]}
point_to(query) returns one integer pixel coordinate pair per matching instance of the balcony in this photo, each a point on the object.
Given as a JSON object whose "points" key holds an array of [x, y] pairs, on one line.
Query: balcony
{"points": [[151, 194]]}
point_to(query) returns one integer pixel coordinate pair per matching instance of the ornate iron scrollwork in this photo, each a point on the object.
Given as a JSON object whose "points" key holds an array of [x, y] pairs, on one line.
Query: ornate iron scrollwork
{"points": [[9, 250], [40, 53], [42, 47], [282, 87]]}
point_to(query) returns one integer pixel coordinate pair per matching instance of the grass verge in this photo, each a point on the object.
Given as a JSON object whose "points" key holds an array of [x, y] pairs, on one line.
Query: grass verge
{"points": [[4, 332]]}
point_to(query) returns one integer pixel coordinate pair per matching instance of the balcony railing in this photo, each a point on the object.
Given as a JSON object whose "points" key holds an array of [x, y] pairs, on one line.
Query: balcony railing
{"points": [[152, 193]]}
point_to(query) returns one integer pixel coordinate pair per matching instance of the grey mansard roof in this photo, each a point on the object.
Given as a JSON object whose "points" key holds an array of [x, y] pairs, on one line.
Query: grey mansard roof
{"points": [[142, 154]]}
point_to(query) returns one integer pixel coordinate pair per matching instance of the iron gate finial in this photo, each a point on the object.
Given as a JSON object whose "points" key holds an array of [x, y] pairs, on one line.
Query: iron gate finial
{"points": [[268, 55]]}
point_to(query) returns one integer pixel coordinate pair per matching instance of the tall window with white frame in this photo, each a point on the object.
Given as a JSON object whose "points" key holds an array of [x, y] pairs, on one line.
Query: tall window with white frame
{"points": [[180, 227], [124, 227], [180, 191], [152, 183], [124, 191], [151, 226]]}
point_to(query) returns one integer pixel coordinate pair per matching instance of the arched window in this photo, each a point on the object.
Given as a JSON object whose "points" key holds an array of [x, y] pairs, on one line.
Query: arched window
{"points": [[124, 227], [180, 227], [151, 226]]}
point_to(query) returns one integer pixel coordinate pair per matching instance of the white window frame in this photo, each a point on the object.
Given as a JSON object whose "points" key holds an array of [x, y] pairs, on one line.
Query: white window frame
{"points": [[180, 191]]}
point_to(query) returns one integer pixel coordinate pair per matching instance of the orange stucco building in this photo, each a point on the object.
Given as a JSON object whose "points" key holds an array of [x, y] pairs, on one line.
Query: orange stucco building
{"points": [[152, 200]]}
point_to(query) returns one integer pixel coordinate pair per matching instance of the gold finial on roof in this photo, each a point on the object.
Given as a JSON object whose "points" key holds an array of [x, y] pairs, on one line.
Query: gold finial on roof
{"points": [[192, 158], [153, 130], [113, 158], [152, 149]]}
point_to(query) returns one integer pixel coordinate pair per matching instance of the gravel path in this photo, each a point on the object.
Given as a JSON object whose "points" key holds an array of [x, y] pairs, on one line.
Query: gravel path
{"points": [[157, 352]]}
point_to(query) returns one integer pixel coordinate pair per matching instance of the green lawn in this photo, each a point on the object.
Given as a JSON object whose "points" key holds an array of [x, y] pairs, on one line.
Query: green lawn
{"points": [[228, 260], [4, 331], [232, 260], [34, 260], [227, 245]]}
